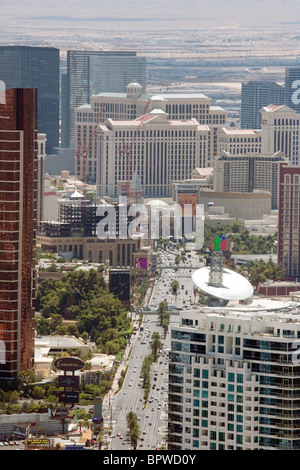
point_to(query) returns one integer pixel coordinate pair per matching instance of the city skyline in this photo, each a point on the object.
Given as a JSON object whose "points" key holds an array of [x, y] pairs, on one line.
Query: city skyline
{"points": [[160, 256]]}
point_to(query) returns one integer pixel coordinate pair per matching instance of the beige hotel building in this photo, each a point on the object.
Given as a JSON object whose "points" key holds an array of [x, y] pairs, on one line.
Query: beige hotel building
{"points": [[239, 141], [133, 104], [162, 150], [280, 131]]}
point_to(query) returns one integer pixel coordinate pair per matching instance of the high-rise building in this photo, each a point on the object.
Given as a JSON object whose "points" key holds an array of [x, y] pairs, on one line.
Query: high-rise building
{"points": [[133, 104], [36, 67], [234, 369], [40, 176], [161, 150], [232, 382], [292, 88], [248, 173], [280, 131], [18, 219], [93, 72], [255, 95], [239, 141], [289, 220]]}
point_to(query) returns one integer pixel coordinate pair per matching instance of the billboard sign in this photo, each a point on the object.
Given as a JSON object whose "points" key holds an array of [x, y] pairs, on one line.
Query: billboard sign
{"points": [[119, 283], [186, 194], [38, 442], [141, 262], [58, 413], [68, 381], [69, 363], [68, 397]]}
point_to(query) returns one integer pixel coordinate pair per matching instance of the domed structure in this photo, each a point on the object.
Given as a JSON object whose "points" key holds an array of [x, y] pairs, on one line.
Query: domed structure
{"points": [[134, 90], [157, 204]]}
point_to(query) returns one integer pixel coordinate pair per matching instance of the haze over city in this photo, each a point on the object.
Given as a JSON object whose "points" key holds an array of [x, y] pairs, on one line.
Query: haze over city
{"points": [[149, 340], [215, 13]]}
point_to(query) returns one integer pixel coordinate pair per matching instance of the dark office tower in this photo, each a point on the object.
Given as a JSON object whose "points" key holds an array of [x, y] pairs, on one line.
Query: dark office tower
{"points": [[36, 67], [292, 88], [289, 220], [255, 95], [18, 214], [93, 72]]}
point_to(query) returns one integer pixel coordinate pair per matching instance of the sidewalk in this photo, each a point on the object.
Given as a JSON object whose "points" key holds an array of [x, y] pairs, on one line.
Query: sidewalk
{"points": [[122, 365], [115, 386]]}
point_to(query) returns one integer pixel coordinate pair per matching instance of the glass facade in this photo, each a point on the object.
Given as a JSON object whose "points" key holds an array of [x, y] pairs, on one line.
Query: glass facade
{"points": [[94, 72], [36, 67], [18, 218]]}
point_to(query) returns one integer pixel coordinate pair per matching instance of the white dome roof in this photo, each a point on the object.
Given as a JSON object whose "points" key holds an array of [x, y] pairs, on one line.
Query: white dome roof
{"points": [[156, 202], [135, 84]]}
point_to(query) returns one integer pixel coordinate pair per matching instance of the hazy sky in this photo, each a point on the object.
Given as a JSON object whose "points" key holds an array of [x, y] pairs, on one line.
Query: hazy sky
{"points": [[228, 12]]}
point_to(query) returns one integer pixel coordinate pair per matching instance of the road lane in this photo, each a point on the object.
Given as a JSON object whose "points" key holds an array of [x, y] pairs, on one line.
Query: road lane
{"points": [[131, 396]]}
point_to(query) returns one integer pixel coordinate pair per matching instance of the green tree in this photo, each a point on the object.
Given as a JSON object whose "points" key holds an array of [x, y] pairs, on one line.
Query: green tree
{"points": [[156, 344], [26, 378], [84, 298], [174, 286], [38, 392], [134, 429]]}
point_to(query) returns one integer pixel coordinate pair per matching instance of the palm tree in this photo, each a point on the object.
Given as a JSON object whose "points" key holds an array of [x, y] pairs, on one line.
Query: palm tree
{"points": [[134, 429], [134, 436], [155, 345]]}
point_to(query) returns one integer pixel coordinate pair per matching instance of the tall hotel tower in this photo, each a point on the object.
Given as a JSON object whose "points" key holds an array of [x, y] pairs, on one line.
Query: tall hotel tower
{"points": [[289, 220], [234, 370], [36, 67], [93, 72], [18, 213]]}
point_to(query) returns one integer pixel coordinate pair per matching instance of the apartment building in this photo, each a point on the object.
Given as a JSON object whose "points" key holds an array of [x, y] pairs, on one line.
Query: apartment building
{"points": [[234, 379], [280, 131], [135, 103], [160, 149], [248, 173]]}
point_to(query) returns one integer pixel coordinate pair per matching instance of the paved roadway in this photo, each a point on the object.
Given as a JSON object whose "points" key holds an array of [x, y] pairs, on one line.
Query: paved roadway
{"points": [[152, 416]]}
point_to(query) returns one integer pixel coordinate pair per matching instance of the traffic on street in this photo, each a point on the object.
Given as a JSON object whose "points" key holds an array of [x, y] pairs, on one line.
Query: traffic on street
{"points": [[152, 413]]}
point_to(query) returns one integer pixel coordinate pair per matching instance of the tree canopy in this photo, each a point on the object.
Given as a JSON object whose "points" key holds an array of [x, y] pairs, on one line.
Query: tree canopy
{"points": [[85, 299], [242, 241]]}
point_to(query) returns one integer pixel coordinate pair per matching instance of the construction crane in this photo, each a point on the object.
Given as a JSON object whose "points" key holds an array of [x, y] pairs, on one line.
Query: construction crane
{"points": [[126, 150]]}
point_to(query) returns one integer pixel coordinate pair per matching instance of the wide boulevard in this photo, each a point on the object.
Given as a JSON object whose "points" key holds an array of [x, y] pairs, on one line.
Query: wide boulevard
{"points": [[152, 414]]}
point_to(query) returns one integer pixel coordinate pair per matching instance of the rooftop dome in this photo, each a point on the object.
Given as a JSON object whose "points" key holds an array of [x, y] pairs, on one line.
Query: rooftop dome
{"points": [[134, 84], [156, 202]]}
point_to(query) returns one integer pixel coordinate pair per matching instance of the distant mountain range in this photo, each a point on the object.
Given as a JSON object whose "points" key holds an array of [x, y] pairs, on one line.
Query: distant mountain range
{"points": [[237, 13]]}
